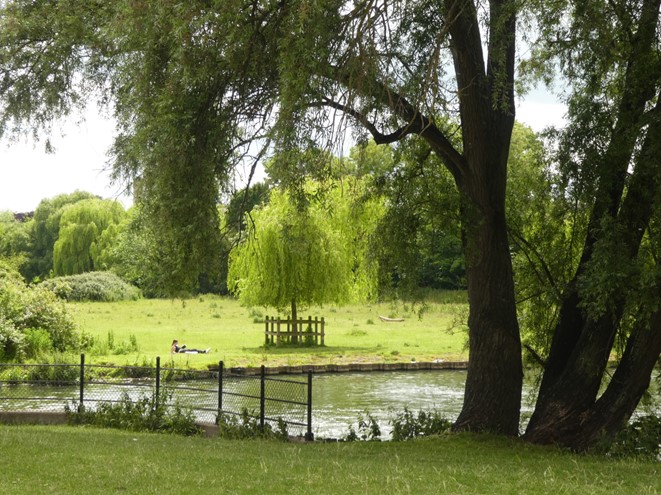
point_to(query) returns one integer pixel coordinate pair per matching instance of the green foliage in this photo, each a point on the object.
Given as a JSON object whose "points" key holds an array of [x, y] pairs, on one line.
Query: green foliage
{"points": [[242, 203], [303, 257], [82, 225], [37, 342], [26, 313], [45, 230], [92, 286], [144, 414], [246, 426], [15, 238], [368, 429], [417, 241], [407, 426], [53, 368], [131, 249], [640, 438], [111, 347]]}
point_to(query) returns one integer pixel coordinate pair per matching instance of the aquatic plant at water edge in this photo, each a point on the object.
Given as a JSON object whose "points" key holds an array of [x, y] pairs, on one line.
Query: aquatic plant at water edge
{"points": [[368, 429], [246, 425], [143, 414], [406, 425]]}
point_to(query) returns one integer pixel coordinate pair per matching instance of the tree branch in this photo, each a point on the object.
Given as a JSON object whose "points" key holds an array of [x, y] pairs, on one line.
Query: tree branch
{"points": [[416, 122], [379, 137]]}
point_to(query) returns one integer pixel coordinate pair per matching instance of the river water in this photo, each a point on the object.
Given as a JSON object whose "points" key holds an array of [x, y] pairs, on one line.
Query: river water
{"points": [[340, 398]]}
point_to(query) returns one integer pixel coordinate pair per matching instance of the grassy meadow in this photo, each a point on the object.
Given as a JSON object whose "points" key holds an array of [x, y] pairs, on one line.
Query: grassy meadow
{"points": [[76, 460], [235, 334]]}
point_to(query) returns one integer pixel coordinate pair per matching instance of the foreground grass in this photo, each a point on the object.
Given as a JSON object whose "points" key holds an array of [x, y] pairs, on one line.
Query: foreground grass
{"points": [[236, 336], [74, 460]]}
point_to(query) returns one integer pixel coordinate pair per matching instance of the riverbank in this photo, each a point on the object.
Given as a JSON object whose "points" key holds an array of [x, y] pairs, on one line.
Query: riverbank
{"points": [[345, 368]]}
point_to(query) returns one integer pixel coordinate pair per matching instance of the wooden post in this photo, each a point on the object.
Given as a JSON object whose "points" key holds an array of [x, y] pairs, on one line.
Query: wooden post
{"points": [[277, 340], [316, 330], [266, 331], [322, 331]]}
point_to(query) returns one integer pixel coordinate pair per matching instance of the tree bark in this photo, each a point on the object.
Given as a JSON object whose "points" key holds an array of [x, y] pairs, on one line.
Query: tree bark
{"points": [[492, 399], [567, 410], [294, 324]]}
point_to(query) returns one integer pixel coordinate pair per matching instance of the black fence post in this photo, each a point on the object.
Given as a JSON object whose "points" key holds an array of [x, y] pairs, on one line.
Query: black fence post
{"points": [[262, 397], [82, 383], [158, 379], [220, 387], [309, 436]]}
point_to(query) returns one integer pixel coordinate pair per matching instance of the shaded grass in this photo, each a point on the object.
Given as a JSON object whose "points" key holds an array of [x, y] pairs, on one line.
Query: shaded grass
{"points": [[353, 333], [71, 460]]}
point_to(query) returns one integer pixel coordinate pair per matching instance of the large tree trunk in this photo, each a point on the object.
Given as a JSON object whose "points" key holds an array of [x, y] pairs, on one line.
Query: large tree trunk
{"points": [[492, 398], [567, 410], [581, 428]]}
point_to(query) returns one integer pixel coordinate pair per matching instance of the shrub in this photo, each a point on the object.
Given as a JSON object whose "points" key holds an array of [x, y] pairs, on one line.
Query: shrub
{"points": [[37, 342], [144, 414], [641, 437], [246, 425], [110, 346], [93, 286], [406, 425], [11, 340], [368, 429], [58, 369], [28, 312]]}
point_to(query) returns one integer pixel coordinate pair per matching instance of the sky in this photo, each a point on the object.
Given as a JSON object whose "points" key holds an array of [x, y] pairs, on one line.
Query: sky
{"points": [[80, 161]]}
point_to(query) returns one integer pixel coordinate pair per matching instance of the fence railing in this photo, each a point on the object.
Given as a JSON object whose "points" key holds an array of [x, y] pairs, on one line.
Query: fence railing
{"points": [[208, 394], [300, 331]]}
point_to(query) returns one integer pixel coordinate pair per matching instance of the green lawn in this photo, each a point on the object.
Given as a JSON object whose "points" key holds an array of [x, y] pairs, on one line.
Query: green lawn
{"points": [[75, 460], [353, 333]]}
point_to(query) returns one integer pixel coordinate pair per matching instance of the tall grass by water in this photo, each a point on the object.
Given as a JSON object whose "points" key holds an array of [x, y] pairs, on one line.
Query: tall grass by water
{"points": [[144, 329], [87, 460]]}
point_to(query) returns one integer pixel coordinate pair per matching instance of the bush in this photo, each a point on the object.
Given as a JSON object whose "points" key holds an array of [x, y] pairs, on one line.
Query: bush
{"points": [[99, 347], [11, 340], [246, 425], [37, 342], [62, 368], [406, 425], [368, 429], [641, 437], [93, 286], [144, 414], [33, 321]]}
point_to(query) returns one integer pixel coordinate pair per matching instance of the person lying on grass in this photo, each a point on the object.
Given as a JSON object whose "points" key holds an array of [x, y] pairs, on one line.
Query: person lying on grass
{"points": [[176, 349]]}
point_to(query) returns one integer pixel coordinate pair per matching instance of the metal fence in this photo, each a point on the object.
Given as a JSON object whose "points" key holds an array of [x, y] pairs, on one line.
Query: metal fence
{"points": [[269, 399]]}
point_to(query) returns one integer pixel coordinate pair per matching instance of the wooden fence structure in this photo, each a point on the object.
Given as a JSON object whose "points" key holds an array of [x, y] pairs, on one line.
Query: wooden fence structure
{"points": [[304, 332]]}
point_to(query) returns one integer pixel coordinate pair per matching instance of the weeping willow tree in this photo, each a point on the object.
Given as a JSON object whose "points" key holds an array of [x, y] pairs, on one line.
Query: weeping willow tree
{"points": [[295, 256], [82, 225]]}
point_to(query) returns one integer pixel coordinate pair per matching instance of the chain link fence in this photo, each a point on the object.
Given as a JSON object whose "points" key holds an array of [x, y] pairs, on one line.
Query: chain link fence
{"points": [[273, 400]]}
